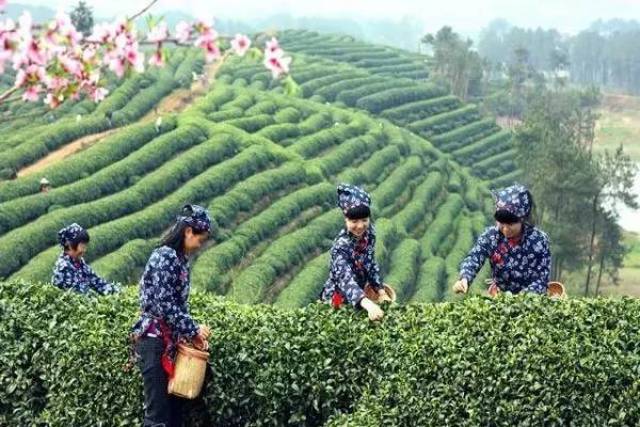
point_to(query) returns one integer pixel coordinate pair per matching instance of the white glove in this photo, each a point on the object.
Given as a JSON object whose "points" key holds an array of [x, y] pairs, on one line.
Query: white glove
{"points": [[375, 312]]}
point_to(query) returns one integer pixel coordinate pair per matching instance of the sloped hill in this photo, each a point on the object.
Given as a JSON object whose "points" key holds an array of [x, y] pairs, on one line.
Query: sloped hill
{"points": [[266, 166]]}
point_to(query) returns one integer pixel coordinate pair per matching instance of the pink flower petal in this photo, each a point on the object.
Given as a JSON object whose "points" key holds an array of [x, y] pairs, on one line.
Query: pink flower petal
{"points": [[21, 77], [240, 44], [159, 33], [31, 94], [272, 45], [156, 59], [183, 31]]}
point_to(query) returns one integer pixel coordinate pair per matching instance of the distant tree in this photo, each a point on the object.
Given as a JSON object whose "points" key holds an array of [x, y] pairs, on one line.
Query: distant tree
{"points": [[611, 250], [575, 190], [455, 62], [82, 18]]}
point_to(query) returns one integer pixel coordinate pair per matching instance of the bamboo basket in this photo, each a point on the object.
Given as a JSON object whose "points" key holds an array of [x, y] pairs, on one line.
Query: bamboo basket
{"points": [[556, 290], [188, 378], [370, 293]]}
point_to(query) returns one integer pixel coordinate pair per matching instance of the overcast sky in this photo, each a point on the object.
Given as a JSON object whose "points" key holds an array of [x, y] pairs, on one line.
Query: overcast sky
{"points": [[464, 15]]}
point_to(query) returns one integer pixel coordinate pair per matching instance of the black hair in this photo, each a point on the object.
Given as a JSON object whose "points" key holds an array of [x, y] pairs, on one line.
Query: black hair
{"points": [[82, 237], [358, 212], [174, 237], [529, 219], [505, 217]]}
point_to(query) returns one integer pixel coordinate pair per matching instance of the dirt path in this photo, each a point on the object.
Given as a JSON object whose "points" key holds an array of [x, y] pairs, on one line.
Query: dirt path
{"points": [[66, 151], [175, 102], [179, 99]]}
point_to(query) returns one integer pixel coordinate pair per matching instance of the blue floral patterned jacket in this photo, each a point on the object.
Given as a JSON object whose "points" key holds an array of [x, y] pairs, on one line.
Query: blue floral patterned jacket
{"points": [[164, 294], [77, 275], [352, 266], [516, 266]]}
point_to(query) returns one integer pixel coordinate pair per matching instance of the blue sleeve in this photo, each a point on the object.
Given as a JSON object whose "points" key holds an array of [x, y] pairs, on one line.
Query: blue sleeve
{"points": [[161, 293], [345, 278], [373, 269], [62, 275], [100, 285], [471, 265], [541, 267]]}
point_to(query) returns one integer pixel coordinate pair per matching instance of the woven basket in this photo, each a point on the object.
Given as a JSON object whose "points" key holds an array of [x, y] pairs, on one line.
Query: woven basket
{"points": [[371, 293], [191, 365], [556, 290]]}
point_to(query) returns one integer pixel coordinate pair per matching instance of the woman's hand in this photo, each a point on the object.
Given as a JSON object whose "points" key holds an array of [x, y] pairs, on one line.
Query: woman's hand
{"points": [[204, 331], [461, 286], [200, 343], [374, 312], [200, 340], [383, 296], [493, 290]]}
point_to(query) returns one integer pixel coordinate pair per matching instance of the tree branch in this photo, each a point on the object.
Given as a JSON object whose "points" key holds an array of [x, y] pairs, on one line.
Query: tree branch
{"points": [[137, 15], [8, 93]]}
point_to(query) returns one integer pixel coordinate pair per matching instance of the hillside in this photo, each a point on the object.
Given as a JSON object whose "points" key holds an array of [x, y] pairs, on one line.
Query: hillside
{"points": [[265, 165]]}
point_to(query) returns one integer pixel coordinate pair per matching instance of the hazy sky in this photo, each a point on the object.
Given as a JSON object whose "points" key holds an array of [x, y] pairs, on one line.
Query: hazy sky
{"points": [[464, 15]]}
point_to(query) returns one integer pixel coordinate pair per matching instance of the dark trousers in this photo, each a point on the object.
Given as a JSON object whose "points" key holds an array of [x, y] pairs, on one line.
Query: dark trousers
{"points": [[160, 408]]}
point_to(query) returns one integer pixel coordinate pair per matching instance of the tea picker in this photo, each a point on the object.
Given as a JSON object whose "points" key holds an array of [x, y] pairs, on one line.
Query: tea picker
{"points": [[354, 276]]}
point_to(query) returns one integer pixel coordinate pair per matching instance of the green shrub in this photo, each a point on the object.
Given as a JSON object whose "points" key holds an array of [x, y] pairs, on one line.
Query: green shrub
{"points": [[395, 96], [431, 279], [113, 178], [512, 361], [445, 122], [347, 153], [463, 243], [115, 147], [351, 97], [311, 87], [405, 260], [253, 123], [422, 201], [288, 115], [211, 266], [119, 265], [395, 183], [309, 146], [464, 135], [283, 253], [442, 226], [418, 110], [151, 218], [486, 147], [331, 91], [306, 285]]}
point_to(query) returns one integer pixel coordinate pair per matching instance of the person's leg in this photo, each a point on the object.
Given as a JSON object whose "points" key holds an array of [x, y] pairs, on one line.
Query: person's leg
{"points": [[177, 408], [157, 403], [194, 411]]}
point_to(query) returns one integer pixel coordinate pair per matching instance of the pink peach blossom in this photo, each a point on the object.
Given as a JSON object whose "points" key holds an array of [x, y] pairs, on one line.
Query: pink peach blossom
{"points": [[183, 31], [31, 94], [159, 33], [240, 44], [157, 59], [277, 64]]}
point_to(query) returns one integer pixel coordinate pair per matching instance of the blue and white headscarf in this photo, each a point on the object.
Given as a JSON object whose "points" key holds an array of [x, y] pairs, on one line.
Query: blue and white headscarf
{"points": [[196, 217], [515, 199], [350, 196], [69, 234]]}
